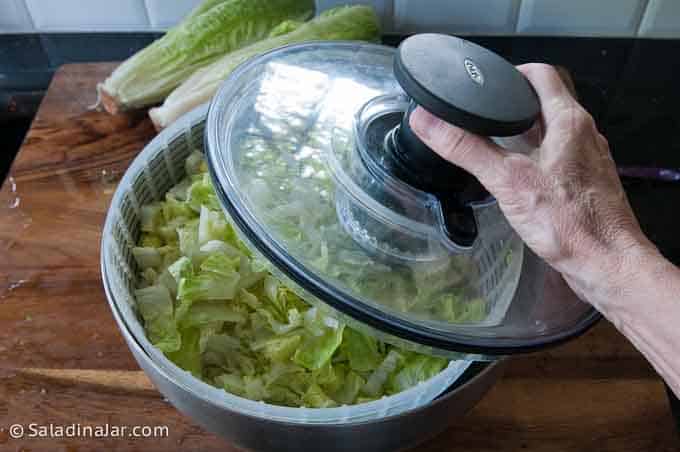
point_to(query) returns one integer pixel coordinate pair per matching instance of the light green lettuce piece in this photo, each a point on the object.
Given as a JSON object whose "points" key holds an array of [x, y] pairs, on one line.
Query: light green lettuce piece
{"points": [[201, 193], [150, 217], [188, 241], [455, 309], [179, 191], [249, 276], [315, 351], [331, 377], [207, 312], [147, 257], [255, 388], [149, 277], [176, 210], [218, 246], [376, 381], [278, 348], [208, 330], [221, 264], [169, 255], [232, 383], [156, 308], [294, 321], [282, 395], [315, 397], [151, 240], [211, 31], [207, 286], [181, 268], [416, 369], [361, 351], [193, 165], [248, 299], [211, 226], [349, 391], [218, 348], [188, 356]]}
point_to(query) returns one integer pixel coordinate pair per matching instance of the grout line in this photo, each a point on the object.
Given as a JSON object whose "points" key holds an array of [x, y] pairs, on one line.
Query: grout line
{"points": [[643, 14], [146, 13], [395, 9], [518, 8], [389, 20], [27, 12]]}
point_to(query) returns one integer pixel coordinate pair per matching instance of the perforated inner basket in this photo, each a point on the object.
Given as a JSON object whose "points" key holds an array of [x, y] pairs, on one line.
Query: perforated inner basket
{"points": [[157, 168]]}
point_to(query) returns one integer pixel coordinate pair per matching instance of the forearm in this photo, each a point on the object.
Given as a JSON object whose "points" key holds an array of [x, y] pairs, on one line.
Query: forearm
{"points": [[641, 297]]}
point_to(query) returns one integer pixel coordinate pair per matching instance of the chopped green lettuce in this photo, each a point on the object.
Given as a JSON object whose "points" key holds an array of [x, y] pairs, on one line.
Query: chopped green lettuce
{"points": [[156, 308], [376, 381], [212, 309], [316, 351], [361, 351], [416, 369]]}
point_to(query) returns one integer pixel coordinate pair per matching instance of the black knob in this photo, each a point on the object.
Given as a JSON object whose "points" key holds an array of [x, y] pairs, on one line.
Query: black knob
{"points": [[466, 85], [470, 87]]}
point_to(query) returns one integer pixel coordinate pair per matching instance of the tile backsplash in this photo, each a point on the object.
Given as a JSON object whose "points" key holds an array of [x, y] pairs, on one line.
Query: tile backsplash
{"points": [[88, 15], [646, 18], [580, 17]]}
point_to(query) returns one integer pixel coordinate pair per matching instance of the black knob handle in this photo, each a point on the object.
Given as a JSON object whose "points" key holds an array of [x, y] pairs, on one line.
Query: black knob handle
{"points": [[468, 86]]}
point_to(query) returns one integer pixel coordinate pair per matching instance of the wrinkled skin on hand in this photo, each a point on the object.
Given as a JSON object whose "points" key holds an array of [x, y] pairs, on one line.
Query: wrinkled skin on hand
{"points": [[564, 198]]}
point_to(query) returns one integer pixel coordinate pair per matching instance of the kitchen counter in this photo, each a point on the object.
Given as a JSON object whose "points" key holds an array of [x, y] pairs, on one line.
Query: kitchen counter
{"points": [[63, 361]]}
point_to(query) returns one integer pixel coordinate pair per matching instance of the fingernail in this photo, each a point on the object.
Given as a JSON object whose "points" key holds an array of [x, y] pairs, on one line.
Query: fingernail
{"points": [[423, 123]]}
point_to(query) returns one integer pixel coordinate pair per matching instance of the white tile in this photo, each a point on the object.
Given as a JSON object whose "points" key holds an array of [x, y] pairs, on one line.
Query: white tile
{"points": [[662, 19], [14, 17], [88, 15], [580, 17], [164, 14], [460, 16], [382, 7]]}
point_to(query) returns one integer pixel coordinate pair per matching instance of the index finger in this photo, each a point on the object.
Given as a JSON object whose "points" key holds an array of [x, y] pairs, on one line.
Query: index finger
{"points": [[553, 94]]}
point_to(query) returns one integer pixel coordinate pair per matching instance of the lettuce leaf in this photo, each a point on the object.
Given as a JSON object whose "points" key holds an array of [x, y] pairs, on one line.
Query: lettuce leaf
{"points": [[156, 308], [361, 351], [417, 368], [316, 351], [376, 381]]}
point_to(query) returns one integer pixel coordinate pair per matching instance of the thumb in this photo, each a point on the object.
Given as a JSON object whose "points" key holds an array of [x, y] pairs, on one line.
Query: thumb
{"points": [[476, 155]]}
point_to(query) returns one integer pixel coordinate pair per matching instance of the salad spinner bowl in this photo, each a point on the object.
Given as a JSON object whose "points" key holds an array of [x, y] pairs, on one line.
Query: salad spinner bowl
{"points": [[415, 414]]}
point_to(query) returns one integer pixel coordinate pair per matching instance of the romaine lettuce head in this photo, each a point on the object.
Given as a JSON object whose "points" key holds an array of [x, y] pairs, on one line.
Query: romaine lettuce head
{"points": [[214, 28], [357, 23]]}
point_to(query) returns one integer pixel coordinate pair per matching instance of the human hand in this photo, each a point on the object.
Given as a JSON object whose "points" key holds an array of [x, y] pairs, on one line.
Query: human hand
{"points": [[564, 198]]}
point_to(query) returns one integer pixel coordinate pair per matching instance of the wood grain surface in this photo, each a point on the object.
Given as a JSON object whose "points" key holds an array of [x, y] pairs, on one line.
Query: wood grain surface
{"points": [[62, 360]]}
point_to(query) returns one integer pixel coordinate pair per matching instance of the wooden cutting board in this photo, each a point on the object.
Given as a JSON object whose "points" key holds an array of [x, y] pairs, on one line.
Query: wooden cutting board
{"points": [[62, 360]]}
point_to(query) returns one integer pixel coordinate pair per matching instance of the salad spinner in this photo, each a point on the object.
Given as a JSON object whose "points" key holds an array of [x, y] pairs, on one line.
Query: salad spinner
{"points": [[313, 158]]}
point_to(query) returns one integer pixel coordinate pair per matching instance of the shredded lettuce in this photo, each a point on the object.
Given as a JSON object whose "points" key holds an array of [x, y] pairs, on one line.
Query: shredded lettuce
{"points": [[417, 368], [214, 312]]}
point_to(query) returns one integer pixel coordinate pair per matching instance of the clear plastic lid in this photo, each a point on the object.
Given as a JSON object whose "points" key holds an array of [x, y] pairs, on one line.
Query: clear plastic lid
{"points": [[297, 142]]}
